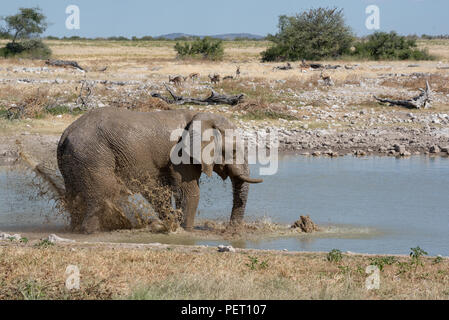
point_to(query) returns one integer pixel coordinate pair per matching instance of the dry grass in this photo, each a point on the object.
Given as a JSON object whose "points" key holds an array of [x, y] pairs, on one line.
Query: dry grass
{"points": [[28, 272]]}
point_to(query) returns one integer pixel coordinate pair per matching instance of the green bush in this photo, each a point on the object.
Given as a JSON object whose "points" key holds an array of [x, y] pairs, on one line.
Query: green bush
{"points": [[389, 46], [312, 35], [334, 255], [30, 48], [206, 48]]}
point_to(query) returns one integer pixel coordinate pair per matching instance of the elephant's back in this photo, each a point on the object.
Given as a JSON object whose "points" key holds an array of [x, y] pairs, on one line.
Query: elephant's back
{"points": [[125, 136], [80, 139]]}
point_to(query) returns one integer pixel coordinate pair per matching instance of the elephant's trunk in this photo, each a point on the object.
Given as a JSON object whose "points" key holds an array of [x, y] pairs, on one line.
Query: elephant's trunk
{"points": [[240, 186], [242, 173]]}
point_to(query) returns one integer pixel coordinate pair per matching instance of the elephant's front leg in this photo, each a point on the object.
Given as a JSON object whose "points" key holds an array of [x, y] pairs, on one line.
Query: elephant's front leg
{"points": [[187, 191], [187, 198]]}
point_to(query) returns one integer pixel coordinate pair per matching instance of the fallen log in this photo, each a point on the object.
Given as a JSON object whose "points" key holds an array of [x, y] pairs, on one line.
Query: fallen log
{"points": [[64, 63], [214, 98], [422, 101]]}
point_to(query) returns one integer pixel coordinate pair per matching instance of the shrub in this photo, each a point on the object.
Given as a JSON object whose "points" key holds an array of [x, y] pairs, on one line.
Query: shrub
{"points": [[390, 46], [416, 255], [31, 48], [206, 48], [334, 255], [312, 35], [255, 264], [380, 262]]}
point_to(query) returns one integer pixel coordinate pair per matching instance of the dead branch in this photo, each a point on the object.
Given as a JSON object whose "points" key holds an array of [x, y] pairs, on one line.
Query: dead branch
{"points": [[422, 101], [213, 99], [83, 98], [288, 66], [64, 63]]}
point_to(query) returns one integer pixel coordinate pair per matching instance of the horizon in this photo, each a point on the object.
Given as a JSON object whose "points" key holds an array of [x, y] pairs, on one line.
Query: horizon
{"points": [[102, 19]]}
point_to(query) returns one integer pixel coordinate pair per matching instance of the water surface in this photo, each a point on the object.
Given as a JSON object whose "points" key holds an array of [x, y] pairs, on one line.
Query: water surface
{"points": [[372, 205]]}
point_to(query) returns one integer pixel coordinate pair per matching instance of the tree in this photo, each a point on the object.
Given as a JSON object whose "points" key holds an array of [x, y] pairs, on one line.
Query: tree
{"points": [[25, 24], [312, 35]]}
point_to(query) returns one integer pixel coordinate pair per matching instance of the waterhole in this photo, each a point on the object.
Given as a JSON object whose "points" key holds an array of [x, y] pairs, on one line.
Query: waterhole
{"points": [[366, 205]]}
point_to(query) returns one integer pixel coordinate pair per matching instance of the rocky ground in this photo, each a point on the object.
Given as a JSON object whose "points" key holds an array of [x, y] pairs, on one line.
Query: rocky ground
{"points": [[330, 121]]}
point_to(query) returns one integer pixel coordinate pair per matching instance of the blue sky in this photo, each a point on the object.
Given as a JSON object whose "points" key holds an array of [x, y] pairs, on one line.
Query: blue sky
{"points": [[102, 18]]}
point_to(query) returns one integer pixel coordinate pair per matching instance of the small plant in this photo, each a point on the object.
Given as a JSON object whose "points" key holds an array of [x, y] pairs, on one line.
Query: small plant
{"points": [[44, 244], [360, 270], [254, 263], [32, 290], [437, 260], [344, 269], [416, 255], [404, 267], [334, 255], [380, 262], [24, 240]]}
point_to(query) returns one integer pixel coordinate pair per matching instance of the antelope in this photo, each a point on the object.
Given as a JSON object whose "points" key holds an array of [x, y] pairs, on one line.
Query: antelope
{"points": [[304, 66], [215, 78], [194, 76], [228, 78], [327, 79], [237, 72], [176, 80]]}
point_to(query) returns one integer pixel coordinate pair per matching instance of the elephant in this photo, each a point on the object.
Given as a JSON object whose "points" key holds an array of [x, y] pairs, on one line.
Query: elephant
{"points": [[110, 152]]}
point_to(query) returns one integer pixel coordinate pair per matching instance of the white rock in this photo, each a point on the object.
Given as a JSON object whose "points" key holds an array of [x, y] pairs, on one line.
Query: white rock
{"points": [[223, 248], [54, 239], [6, 236]]}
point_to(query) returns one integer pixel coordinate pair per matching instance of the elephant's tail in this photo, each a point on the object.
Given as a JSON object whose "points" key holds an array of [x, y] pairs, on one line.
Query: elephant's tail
{"points": [[49, 175]]}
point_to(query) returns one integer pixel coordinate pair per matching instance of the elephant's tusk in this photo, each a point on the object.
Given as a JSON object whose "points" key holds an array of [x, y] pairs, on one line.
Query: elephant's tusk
{"points": [[250, 180]]}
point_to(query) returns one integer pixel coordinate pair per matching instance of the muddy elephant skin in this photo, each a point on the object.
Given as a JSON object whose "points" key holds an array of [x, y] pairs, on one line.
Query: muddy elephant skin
{"points": [[109, 153]]}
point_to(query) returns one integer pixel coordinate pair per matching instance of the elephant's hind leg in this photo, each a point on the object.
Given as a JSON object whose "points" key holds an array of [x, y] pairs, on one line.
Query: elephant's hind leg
{"points": [[103, 210]]}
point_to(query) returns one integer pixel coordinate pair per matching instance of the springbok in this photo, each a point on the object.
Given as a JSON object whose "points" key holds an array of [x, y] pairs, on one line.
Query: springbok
{"points": [[215, 78], [176, 80], [194, 76], [326, 79]]}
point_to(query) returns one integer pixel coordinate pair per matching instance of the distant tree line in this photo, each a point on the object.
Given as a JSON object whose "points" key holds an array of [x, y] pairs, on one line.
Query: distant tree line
{"points": [[146, 38], [151, 38]]}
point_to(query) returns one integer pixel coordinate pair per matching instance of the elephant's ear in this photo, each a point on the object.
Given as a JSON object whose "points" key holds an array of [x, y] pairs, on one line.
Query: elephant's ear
{"points": [[202, 128]]}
